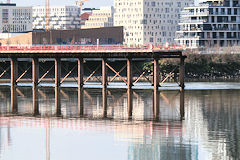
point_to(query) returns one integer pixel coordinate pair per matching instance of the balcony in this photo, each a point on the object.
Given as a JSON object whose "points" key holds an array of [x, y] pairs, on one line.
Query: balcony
{"points": [[200, 21]]}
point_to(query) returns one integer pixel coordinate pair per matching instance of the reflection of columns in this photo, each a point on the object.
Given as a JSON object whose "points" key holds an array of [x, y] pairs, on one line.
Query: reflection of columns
{"points": [[104, 87], [80, 86], [57, 85], [35, 76], [130, 84], [181, 73], [156, 86], [14, 75], [182, 111]]}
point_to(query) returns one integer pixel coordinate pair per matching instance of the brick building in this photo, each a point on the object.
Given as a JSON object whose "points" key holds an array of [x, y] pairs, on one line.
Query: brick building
{"points": [[106, 35]]}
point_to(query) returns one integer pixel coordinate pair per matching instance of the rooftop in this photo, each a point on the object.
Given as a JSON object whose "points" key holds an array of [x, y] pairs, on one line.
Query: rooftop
{"points": [[7, 4]]}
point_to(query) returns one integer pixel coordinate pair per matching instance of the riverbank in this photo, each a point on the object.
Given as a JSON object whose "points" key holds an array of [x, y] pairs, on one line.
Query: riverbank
{"points": [[203, 66]]}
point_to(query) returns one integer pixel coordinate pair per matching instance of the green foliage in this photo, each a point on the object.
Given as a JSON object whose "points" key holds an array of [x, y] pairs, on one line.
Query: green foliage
{"points": [[203, 66]]}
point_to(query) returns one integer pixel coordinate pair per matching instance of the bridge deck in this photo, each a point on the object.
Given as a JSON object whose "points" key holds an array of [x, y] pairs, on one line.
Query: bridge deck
{"points": [[73, 51]]}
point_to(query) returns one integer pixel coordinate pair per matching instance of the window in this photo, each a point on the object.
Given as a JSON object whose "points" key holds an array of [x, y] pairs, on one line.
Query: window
{"points": [[151, 39], [153, 4]]}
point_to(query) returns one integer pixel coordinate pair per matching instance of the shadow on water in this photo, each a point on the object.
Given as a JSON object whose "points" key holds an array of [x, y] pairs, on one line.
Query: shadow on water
{"points": [[202, 124]]}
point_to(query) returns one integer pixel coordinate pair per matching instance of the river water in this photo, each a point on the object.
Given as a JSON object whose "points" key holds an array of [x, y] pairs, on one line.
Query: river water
{"points": [[210, 129]]}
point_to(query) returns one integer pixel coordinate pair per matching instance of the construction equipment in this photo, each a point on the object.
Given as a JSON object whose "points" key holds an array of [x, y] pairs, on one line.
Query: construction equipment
{"points": [[81, 3], [47, 15]]}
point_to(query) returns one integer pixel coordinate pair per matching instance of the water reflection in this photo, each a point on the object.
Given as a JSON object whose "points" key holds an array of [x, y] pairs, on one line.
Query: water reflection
{"points": [[116, 104], [210, 128]]}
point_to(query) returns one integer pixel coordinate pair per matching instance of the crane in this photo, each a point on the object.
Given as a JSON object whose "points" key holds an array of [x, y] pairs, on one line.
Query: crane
{"points": [[81, 2], [47, 15]]}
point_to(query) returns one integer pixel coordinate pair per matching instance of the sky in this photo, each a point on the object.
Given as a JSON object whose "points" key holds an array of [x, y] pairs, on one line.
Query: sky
{"points": [[90, 3]]}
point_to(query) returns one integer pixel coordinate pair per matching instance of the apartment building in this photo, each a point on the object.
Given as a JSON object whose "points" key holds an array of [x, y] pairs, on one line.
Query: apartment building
{"points": [[61, 17], [100, 18], [211, 23], [14, 19], [149, 21]]}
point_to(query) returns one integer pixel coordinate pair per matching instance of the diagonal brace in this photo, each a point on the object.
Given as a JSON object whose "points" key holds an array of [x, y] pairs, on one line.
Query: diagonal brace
{"points": [[23, 74], [92, 73], [45, 74], [116, 73], [4, 72], [169, 75], [68, 74], [142, 75]]}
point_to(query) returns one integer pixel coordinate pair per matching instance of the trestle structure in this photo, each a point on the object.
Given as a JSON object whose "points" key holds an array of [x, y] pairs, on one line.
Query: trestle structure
{"points": [[129, 67], [35, 78], [14, 75]]}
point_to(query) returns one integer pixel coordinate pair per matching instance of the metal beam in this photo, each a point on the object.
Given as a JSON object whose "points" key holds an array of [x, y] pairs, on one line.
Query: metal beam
{"points": [[45, 74], [68, 74], [117, 73], [5, 71], [141, 75], [156, 86], [57, 86], [182, 73], [80, 86], [92, 73], [14, 75], [104, 87], [23, 74], [130, 84], [35, 77]]}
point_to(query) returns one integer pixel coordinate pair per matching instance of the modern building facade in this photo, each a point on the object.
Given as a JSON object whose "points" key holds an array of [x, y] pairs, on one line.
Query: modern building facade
{"points": [[100, 18], [149, 21], [84, 17], [211, 23], [15, 19], [61, 17]]}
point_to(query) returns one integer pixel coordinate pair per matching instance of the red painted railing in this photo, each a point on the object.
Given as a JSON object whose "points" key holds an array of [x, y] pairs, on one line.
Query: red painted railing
{"points": [[90, 47]]}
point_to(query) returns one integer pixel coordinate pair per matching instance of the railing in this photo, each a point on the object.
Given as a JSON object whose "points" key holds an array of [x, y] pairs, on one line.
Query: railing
{"points": [[87, 48]]}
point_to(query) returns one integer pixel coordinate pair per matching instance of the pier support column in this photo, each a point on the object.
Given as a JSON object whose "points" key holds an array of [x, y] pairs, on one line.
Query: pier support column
{"points": [[80, 86], [130, 84], [57, 86], [104, 87], [182, 73], [156, 86], [182, 100], [14, 76], [35, 77]]}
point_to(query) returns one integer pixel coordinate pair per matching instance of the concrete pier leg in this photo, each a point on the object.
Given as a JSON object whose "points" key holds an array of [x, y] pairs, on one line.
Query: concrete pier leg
{"points": [[14, 76], [182, 73], [35, 77], [80, 86], [182, 100], [156, 91], [57, 86], [104, 87], [130, 84]]}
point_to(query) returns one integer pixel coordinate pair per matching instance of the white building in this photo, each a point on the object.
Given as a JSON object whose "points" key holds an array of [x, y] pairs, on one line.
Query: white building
{"points": [[100, 18], [149, 21], [15, 19], [211, 23], [61, 17]]}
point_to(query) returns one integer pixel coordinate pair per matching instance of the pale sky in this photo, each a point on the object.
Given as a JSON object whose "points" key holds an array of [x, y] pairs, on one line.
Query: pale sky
{"points": [[90, 3]]}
